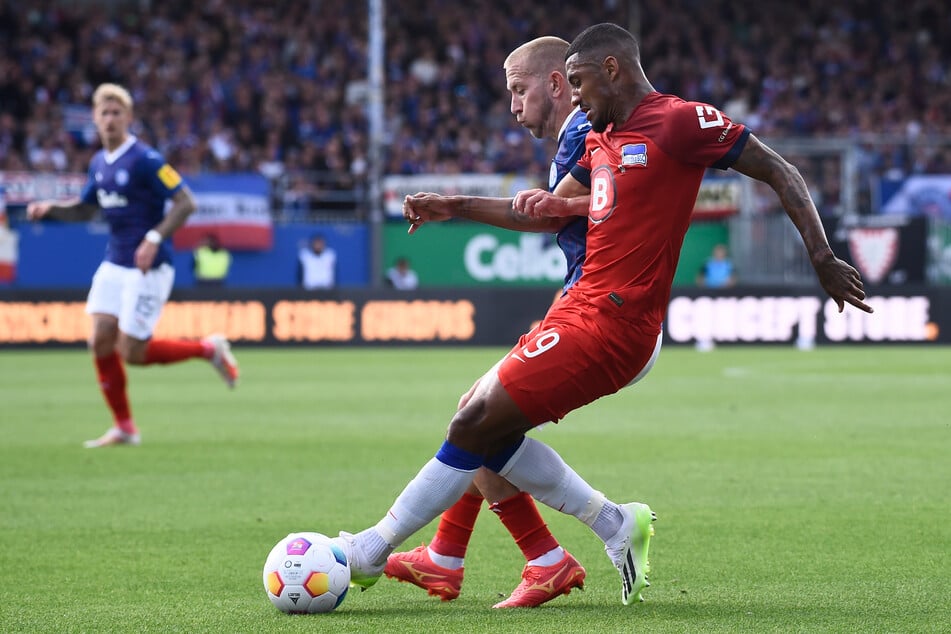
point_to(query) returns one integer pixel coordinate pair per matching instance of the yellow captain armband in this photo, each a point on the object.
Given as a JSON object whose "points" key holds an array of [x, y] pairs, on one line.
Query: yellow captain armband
{"points": [[169, 177]]}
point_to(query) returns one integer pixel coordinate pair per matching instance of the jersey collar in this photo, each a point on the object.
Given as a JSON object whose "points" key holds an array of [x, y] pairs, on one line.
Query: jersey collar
{"points": [[564, 125], [112, 157]]}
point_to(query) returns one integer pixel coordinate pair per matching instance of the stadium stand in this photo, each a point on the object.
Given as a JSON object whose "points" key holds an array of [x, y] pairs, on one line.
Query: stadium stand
{"points": [[280, 87]]}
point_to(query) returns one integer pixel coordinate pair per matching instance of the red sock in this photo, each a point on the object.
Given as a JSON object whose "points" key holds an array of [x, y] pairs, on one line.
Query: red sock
{"points": [[520, 515], [175, 350], [112, 383], [455, 526]]}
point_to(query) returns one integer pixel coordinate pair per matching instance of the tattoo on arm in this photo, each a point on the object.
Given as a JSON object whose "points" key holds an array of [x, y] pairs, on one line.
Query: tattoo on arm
{"points": [[524, 221], [499, 212], [183, 204]]}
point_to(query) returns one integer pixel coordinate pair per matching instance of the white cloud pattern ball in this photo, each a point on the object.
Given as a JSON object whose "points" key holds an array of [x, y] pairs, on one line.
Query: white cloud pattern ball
{"points": [[306, 573]]}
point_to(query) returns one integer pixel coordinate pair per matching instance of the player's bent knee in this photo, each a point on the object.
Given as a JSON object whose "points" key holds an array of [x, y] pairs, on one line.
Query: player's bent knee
{"points": [[465, 431], [488, 423], [131, 350], [101, 346]]}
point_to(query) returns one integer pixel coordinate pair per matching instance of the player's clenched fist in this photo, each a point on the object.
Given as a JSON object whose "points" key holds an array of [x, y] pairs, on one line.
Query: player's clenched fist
{"points": [[424, 207]]}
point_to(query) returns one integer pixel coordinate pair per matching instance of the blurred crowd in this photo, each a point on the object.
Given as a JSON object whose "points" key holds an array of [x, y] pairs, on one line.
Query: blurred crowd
{"points": [[281, 87]]}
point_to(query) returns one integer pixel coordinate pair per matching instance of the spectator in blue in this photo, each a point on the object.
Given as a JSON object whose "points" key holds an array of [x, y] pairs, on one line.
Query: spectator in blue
{"points": [[718, 271]]}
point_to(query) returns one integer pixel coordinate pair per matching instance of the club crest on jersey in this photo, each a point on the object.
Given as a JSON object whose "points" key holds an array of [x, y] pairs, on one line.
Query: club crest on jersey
{"points": [[634, 155], [603, 194], [122, 177]]}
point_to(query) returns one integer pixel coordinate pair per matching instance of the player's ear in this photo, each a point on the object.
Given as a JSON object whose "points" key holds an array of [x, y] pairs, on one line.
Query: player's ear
{"points": [[556, 83]]}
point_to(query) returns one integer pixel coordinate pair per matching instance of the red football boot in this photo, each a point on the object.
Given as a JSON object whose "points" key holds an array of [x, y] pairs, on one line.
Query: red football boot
{"points": [[544, 583], [417, 568]]}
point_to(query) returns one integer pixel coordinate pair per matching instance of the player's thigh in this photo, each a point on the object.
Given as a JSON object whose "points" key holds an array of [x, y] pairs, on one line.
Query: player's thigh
{"points": [[481, 381], [143, 297], [567, 365], [105, 293]]}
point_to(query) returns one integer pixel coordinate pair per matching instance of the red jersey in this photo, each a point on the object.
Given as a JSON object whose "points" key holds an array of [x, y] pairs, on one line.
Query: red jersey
{"points": [[644, 177]]}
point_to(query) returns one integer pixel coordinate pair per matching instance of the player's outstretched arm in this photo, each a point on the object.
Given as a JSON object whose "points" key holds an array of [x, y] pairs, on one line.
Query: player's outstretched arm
{"points": [[421, 208], [839, 279], [73, 210]]}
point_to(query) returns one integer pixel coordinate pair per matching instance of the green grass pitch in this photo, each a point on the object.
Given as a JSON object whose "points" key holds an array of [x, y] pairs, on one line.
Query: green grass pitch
{"points": [[796, 491]]}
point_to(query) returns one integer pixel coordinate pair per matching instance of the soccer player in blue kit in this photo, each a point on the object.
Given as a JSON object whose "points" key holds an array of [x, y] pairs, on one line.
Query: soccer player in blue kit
{"points": [[131, 183], [541, 102]]}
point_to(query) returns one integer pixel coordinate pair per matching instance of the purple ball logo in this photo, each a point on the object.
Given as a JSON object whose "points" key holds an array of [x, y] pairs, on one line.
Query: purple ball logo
{"points": [[298, 546]]}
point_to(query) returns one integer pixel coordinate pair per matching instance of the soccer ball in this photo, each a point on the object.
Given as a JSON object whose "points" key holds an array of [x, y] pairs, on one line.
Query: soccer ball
{"points": [[306, 573]]}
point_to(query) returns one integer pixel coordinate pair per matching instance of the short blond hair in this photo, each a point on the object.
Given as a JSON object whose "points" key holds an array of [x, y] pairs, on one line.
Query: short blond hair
{"points": [[112, 91], [541, 55]]}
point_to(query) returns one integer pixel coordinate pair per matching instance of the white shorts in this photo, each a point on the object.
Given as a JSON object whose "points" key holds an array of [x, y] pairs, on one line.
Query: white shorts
{"points": [[135, 298], [650, 362]]}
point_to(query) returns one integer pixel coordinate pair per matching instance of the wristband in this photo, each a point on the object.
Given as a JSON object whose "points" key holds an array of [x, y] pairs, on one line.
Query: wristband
{"points": [[153, 236]]}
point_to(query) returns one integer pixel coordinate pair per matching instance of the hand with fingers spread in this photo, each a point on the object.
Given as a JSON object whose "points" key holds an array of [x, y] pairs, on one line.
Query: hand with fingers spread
{"points": [[842, 282]]}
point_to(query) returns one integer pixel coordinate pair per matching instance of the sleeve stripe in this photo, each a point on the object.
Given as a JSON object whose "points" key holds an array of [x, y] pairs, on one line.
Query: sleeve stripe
{"points": [[581, 175], [730, 157]]}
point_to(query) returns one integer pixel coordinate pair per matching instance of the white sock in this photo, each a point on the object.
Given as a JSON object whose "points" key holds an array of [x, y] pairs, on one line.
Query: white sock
{"points": [[373, 547], [452, 563], [435, 488], [538, 469], [608, 522], [550, 558]]}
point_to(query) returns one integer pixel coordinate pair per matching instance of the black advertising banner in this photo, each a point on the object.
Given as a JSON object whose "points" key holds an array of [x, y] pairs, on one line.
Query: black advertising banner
{"points": [[490, 317], [271, 317], [806, 317], [885, 249]]}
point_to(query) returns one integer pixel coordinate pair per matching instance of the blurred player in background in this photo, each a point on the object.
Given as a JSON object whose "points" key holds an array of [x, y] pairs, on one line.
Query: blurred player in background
{"points": [[638, 182], [131, 183]]}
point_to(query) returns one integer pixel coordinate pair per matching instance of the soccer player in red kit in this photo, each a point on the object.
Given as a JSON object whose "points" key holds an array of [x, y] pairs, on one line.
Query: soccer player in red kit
{"points": [[131, 182], [638, 182]]}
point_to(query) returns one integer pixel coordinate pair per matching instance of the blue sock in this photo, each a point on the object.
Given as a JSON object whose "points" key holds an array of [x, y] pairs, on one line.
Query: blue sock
{"points": [[457, 458]]}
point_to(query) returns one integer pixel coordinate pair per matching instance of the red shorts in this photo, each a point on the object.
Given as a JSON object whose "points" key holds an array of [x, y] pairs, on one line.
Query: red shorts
{"points": [[576, 355]]}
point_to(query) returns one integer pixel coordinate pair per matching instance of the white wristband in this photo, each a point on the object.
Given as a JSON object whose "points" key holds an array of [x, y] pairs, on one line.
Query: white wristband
{"points": [[153, 236]]}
